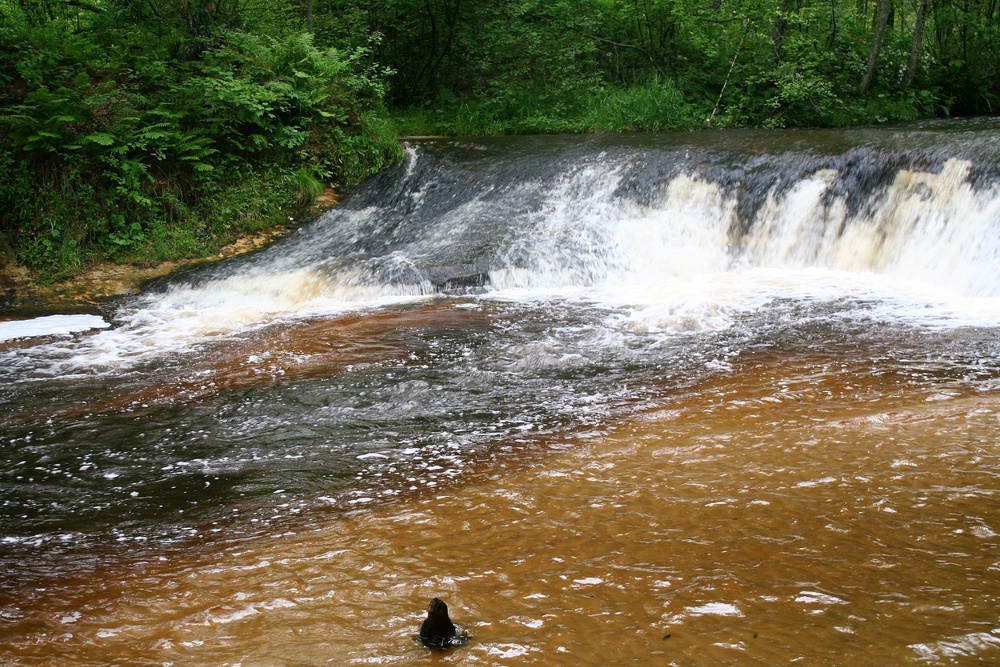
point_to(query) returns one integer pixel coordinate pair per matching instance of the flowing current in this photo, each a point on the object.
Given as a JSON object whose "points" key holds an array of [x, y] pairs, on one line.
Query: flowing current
{"points": [[721, 398]]}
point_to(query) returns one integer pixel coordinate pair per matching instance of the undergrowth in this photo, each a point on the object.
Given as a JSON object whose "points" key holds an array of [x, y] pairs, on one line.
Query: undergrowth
{"points": [[139, 142]]}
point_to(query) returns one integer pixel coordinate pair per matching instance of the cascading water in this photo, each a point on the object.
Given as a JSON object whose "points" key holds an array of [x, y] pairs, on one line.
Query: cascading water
{"points": [[489, 302], [617, 218], [610, 211]]}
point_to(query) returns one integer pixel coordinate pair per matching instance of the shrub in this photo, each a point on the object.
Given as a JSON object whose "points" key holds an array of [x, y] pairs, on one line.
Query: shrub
{"points": [[118, 155]]}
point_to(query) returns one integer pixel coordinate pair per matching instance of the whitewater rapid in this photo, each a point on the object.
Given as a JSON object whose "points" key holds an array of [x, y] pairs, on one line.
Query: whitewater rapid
{"points": [[667, 236]]}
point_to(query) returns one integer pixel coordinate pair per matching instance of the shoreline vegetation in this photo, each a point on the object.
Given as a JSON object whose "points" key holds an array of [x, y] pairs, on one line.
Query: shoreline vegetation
{"points": [[150, 133], [24, 292]]}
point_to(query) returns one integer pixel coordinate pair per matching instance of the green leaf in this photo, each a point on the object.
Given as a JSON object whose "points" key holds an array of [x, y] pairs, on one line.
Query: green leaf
{"points": [[102, 138]]}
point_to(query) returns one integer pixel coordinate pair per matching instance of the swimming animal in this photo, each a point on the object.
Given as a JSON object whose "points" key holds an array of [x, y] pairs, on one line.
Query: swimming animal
{"points": [[437, 631]]}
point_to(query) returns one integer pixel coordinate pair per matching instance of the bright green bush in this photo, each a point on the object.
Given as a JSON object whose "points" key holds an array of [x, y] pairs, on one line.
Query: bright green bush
{"points": [[140, 142]]}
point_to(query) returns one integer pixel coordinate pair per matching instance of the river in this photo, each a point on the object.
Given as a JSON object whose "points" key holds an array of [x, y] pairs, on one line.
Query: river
{"points": [[678, 399]]}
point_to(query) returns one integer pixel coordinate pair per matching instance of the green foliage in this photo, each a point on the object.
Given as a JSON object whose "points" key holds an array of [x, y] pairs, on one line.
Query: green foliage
{"points": [[142, 130], [127, 124], [654, 106], [307, 183], [576, 65]]}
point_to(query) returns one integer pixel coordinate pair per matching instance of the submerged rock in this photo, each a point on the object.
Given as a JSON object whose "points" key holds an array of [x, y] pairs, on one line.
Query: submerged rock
{"points": [[437, 631]]}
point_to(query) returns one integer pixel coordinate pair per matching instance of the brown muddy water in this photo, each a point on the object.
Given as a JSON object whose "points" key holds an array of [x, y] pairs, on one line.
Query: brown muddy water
{"points": [[674, 400], [797, 510]]}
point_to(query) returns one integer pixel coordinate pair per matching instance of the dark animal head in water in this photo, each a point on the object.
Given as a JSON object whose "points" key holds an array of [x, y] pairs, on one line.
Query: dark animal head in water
{"points": [[437, 630]]}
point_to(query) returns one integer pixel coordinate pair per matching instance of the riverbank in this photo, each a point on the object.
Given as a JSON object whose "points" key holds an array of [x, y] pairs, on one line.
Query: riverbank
{"points": [[22, 291]]}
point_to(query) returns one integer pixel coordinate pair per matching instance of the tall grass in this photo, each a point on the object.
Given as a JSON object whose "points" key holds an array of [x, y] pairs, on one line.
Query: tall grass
{"points": [[655, 106]]}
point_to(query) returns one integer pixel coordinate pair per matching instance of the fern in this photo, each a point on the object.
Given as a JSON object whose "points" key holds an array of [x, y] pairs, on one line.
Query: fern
{"points": [[133, 139]]}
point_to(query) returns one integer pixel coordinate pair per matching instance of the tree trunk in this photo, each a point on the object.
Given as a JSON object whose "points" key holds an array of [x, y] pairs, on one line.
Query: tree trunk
{"points": [[778, 28], [915, 51], [884, 11]]}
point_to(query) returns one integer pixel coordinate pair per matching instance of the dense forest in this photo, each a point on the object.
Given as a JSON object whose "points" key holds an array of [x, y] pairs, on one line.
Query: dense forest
{"points": [[139, 130]]}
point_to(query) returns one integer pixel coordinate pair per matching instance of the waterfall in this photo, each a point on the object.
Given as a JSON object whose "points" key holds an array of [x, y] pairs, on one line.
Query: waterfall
{"points": [[587, 213], [682, 231], [487, 298]]}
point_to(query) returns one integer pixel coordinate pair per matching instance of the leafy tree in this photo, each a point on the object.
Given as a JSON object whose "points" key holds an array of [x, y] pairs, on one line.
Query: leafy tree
{"points": [[495, 66]]}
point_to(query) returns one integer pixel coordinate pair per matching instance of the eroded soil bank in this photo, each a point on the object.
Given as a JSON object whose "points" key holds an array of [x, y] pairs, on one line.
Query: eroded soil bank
{"points": [[23, 292]]}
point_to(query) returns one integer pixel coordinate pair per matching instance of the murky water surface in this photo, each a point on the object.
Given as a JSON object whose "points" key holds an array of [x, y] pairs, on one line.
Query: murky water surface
{"points": [[794, 507], [665, 401]]}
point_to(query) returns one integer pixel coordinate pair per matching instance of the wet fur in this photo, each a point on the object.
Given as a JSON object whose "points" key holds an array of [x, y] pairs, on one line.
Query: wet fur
{"points": [[437, 630]]}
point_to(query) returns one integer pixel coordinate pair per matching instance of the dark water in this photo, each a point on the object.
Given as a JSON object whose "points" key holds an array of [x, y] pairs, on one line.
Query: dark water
{"points": [[492, 310]]}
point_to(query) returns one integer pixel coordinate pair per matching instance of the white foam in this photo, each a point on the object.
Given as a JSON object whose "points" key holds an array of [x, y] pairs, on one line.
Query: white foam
{"points": [[50, 325], [957, 647], [588, 581], [922, 252], [509, 651], [185, 317], [815, 597]]}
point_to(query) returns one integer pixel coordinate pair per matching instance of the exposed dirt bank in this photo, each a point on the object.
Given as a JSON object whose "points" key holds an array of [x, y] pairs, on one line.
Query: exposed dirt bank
{"points": [[21, 291]]}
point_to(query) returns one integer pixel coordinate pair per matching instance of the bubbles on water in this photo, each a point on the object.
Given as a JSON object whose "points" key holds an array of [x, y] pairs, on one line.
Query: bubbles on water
{"points": [[818, 598], [588, 581], [509, 651], [983, 531]]}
